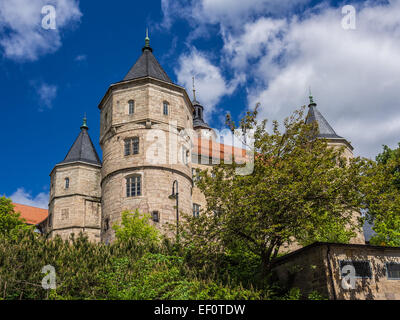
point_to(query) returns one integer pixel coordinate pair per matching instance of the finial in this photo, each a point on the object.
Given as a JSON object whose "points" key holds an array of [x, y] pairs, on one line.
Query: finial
{"points": [[84, 125], [147, 39], [311, 97], [147, 42], [194, 90]]}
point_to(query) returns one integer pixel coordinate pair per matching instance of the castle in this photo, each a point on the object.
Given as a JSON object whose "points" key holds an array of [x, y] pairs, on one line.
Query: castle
{"points": [[145, 123]]}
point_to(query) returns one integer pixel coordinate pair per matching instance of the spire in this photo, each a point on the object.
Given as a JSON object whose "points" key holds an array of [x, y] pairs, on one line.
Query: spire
{"points": [[83, 149], [84, 125], [194, 90]]}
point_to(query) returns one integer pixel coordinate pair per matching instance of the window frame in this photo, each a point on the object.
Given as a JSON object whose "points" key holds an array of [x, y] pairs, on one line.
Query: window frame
{"points": [[350, 262], [131, 107], [197, 212], [135, 145], [157, 214], [67, 183], [165, 108], [129, 188], [387, 270], [131, 146]]}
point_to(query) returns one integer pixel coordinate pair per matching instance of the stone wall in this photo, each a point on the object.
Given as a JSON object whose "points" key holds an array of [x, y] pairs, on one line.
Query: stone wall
{"points": [[78, 207], [164, 151], [317, 268]]}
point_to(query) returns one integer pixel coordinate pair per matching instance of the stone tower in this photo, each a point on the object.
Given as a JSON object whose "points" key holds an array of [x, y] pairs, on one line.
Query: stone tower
{"points": [[335, 141], [75, 203], [144, 123]]}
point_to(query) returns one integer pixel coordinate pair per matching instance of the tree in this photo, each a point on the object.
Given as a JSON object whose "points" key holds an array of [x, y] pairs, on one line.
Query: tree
{"points": [[382, 197], [301, 190], [137, 227], [10, 221]]}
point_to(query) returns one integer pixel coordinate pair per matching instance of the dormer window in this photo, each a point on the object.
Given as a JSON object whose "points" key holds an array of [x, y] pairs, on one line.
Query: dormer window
{"points": [[165, 108], [66, 183], [131, 107]]}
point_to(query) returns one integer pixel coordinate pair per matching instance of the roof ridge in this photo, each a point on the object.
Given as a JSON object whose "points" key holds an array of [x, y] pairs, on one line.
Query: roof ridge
{"points": [[26, 205]]}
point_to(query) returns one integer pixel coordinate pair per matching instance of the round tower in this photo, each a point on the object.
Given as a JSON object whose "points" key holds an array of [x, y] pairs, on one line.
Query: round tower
{"points": [[144, 123], [325, 131], [75, 204]]}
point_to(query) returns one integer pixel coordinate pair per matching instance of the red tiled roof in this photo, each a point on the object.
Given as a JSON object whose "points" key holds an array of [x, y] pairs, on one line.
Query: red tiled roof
{"points": [[210, 148], [32, 215]]}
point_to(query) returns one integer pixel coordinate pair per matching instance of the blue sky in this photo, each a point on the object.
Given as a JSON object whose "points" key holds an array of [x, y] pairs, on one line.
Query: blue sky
{"points": [[241, 53]]}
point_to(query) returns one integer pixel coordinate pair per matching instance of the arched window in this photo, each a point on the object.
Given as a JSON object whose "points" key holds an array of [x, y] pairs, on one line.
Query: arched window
{"points": [[66, 183], [131, 107], [165, 109], [134, 186]]}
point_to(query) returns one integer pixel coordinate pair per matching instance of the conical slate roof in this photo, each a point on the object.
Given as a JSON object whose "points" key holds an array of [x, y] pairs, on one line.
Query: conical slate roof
{"points": [[83, 149], [147, 66], [325, 130]]}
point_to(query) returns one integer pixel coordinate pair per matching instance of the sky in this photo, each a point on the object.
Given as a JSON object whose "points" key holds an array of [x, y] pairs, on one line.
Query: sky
{"points": [[240, 52]]}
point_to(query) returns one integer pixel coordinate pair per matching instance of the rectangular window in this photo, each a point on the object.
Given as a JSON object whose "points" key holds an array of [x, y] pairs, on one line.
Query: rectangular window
{"points": [[393, 270], [362, 268], [166, 108], [135, 145], [127, 147], [131, 146], [196, 210], [133, 186], [131, 107], [66, 183], [156, 216]]}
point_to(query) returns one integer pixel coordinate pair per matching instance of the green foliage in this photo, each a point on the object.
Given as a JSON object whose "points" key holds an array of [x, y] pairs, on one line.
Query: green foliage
{"points": [[10, 221], [301, 190], [293, 294], [314, 295], [136, 227], [382, 197], [122, 270]]}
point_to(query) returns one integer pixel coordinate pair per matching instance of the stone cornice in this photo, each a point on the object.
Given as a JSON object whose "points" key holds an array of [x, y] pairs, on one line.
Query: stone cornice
{"points": [[138, 168]]}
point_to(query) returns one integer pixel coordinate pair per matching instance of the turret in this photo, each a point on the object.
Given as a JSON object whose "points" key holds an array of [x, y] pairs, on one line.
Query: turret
{"points": [[75, 203], [325, 131], [143, 118]]}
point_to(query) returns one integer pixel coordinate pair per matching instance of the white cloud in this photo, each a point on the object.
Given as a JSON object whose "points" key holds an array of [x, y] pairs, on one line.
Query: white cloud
{"points": [[46, 93], [22, 37], [228, 13], [210, 84], [81, 57], [354, 74], [21, 196]]}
